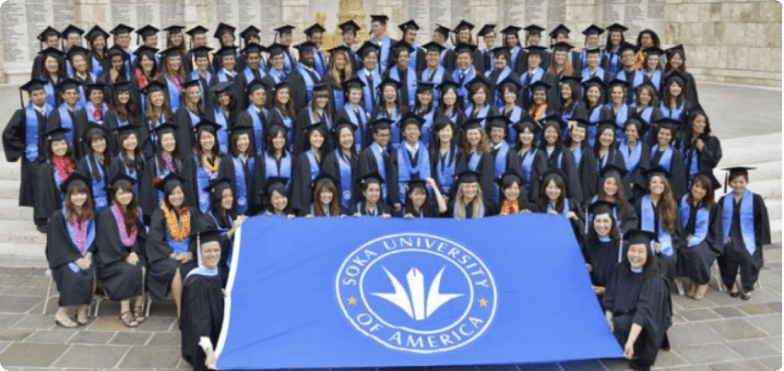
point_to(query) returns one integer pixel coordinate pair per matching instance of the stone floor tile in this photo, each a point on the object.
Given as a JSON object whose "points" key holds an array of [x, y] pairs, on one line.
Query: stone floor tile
{"points": [[688, 303], [36, 321], [36, 355], [8, 319], [158, 323], [151, 357], [729, 312], [691, 334], [131, 338], [50, 336], [91, 337], [613, 364], [754, 309], [3, 345], [775, 305], [18, 304], [769, 323], [775, 342], [771, 363], [112, 324], [737, 329], [669, 358], [753, 348], [700, 314], [581, 366], [15, 333], [745, 365], [92, 356], [165, 338], [707, 353]]}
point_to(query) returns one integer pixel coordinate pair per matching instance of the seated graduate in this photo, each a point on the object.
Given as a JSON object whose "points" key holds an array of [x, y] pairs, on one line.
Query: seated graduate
{"points": [[202, 72], [612, 190], [325, 200], [275, 161], [501, 71], [277, 198], [479, 104], [468, 201], [377, 158], [240, 169], [658, 213], [202, 312], [674, 104], [585, 163], [173, 75], [23, 138], [635, 151], [513, 196], [370, 203], [60, 164], [509, 91], [605, 151], [189, 114], [646, 107], [413, 158], [341, 162], [69, 115], [477, 158], [433, 72], [554, 199], [95, 164], [637, 303], [122, 261], [497, 126], [70, 245], [307, 167], [224, 218], [166, 160], [572, 105], [665, 155], [449, 106], [281, 110], [700, 226], [560, 158], [169, 250], [744, 229], [419, 204], [403, 73], [203, 166], [601, 245], [527, 160], [443, 156]]}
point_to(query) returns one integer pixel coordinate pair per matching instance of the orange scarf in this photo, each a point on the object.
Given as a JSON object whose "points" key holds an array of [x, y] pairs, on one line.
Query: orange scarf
{"points": [[510, 207], [536, 111], [178, 231]]}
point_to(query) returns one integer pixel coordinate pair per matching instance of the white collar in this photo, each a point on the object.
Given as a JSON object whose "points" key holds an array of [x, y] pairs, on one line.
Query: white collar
{"points": [[413, 150]]}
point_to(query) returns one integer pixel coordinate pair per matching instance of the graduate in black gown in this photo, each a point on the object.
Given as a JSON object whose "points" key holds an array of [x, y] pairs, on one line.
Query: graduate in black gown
{"points": [[601, 245], [239, 166], [307, 167], [526, 160], [169, 251], [23, 138], [202, 312], [377, 158], [468, 201], [95, 164], [276, 197], [477, 158], [585, 163], [700, 150], [203, 166], [370, 203], [444, 153], [637, 303], [69, 115], [275, 161], [558, 157], [70, 245], [121, 241], [554, 199], [612, 190], [419, 203], [700, 226], [744, 229], [665, 154], [222, 217], [341, 162], [59, 165]]}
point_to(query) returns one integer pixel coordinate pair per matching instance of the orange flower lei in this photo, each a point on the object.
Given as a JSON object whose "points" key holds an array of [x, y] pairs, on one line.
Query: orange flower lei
{"points": [[178, 231], [536, 111], [213, 167]]}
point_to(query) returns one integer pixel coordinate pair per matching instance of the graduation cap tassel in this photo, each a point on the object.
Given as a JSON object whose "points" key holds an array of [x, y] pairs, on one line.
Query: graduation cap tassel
{"points": [[620, 250], [21, 99], [726, 180]]}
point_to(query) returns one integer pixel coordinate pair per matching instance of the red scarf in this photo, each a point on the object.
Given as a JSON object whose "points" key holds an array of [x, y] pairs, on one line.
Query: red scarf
{"points": [[64, 166]]}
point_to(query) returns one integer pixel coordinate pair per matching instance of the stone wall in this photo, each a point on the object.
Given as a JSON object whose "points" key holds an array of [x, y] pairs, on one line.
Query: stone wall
{"points": [[737, 42]]}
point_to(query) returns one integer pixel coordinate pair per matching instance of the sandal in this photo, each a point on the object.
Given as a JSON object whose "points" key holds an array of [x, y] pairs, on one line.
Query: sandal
{"points": [[138, 314], [64, 321], [700, 293], [128, 320], [734, 292], [82, 320]]}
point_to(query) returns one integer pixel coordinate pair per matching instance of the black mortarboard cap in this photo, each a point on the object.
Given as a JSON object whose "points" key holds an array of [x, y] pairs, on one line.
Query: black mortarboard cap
{"points": [[539, 84], [348, 26], [254, 85], [510, 81], [561, 28], [472, 123], [201, 51], [411, 118], [511, 30], [612, 167], [595, 50], [117, 50], [593, 30], [121, 29], [382, 18], [146, 50], [601, 207], [464, 25], [253, 48], [147, 31], [390, 81], [314, 28], [442, 30], [226, 50], [534, 29], [433, 47], [468, 176], [617, 27], [205, 124], [71, 29], [676, 49], [323, 177], [368, 47], [56, 53], [76, 49], [276, 49], [173, 29], [626, 46], [639, 237], [464, 48], [56, 133], [119, 177], [33, 85], [221, 180], [223, 27], [49, 31], [171, 52], [486, 29], [67, 83], [381, 124], [285, 29], [154, 86], [93, 128], [373, 177], [341, 122], [166, 127], [597, 81], [95, 32], [275, 183], [198, 30], [409, 25], [249, 32], [562, 46], [535, 49], [657, 170], [498, 121], [73, 179], [172, 178]]}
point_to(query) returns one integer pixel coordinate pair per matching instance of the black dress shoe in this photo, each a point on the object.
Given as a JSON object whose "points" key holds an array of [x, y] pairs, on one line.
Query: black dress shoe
{"points": [[745, 296], [735, 294], [43, 229]]}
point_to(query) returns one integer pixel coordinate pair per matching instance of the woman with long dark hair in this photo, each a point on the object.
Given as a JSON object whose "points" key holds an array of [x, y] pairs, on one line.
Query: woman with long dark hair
{"points": [[307, 167], [700, 226], [275, 162], [341, 162], [204, 166], [658, 212], [601, 245], [95, 164]]}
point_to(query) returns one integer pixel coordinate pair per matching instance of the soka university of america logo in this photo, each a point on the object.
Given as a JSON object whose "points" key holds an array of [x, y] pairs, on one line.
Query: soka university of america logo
{"points": [[417, 293]]}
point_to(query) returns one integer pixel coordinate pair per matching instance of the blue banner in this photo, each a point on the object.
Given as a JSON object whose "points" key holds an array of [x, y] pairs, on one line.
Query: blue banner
{"points": [[371, 292]]}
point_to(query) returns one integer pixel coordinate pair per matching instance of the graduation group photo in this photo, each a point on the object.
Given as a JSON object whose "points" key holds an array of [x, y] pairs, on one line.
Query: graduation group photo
{"points": [[390, 188]]}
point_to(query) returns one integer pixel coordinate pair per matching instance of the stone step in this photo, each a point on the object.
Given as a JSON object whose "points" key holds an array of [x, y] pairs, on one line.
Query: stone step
{"points": [[9, 189], [23, 255], [10, 210], [751, 150], [774, 209], [775, 230], [9, 171], [20, 231]]}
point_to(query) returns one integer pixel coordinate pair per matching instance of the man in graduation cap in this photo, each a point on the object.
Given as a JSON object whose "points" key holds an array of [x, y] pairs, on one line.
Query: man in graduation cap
{"points": [[69, 115], [441, 37], [226, 60], [413, 158], [71, 37], [533, 36], [500, 72], [255, 116], [416, 60], [225, 35], [198, 36], [376, 158], [378, 28], [122, 38], [283, 35], [434, 72], [534, 73], [369, 75], [592, 34], [611, 56], [254, 69], [23, 137], [517, 56], [315, 34], [487, 33], [50, 37], [277, 65], [464, 70], [403, 74], [349, 31], [202, 71], [305, 75]]}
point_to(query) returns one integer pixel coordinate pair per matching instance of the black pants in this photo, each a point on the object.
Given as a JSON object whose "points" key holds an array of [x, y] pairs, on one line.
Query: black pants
{"points": [[749, 266]]}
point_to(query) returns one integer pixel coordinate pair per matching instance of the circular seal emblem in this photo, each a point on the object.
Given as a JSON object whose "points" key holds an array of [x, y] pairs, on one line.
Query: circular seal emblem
{"points": [[417, 293]]}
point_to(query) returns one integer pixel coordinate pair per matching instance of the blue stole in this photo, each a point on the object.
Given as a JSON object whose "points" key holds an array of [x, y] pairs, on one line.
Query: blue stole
{"points": [[98, 186], [258, 128], [174, 94], [589, 215], [196, 76], [411, 83], [277, 75], [370, 100], [360, 122], [578, 155], [315, 167], [593, 118], [194, 120], [272, 169], [427, 135], [394, 128], [249, 76], [526, 79], [223, 132], [436, 77], [674, 114], [500, 166], [383, 58], [691, 159], [647, 224], [344, 167], [528, 166], [445, 167], [204, 271], [57, 183], [563, 212], [240, 182], [631, 157], [288, 63], [701, 221], [412, 60], [320, 64], [202, 181], [223, 77], [90, 236], [95, 66], [586, 74], [51, 98], [178, 247], [66, 123], [308, 79], [645, 114], [462, 88], [473, 161], [31, 130], [514, 116], [132, 173], [601, 161], [746, 219], [620, 118], [613, 61], [482, 114], [498, 100], [513, 56], [338, 97], [161, 172], [666, 159], [224, 233], [376, 149], [367, 213], [405, 170], [289, 123]]}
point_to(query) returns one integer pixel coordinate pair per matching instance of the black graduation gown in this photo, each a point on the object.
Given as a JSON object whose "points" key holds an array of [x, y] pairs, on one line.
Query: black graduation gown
{"points": [[364, 127], [298, 89], [486, 170], [305, 119], [568, 168], [241, 83], [184, 133], [708, 159], [476, 56], [276, 117], [202, 315], [586, 172], [526, 97], [695, 262], [244, 119], [577, 110], [160, 267], [14, 143], [210, 221], [614, 158], [191, 185], [644, 300], [259, 199], [734, 255], [366, 164], [636, 177], [111, 120], [539, 167], [119, 279], [76, 288], [79, 122], [690, 89], [435, 158], [134, 171], [578, 226], [301, 192], [332, 167], [469, 210], [603, 258], [359, 208], [148, 194], [47, 200], [677, 172], [87, 167], [668, 265], [228, 170]]}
